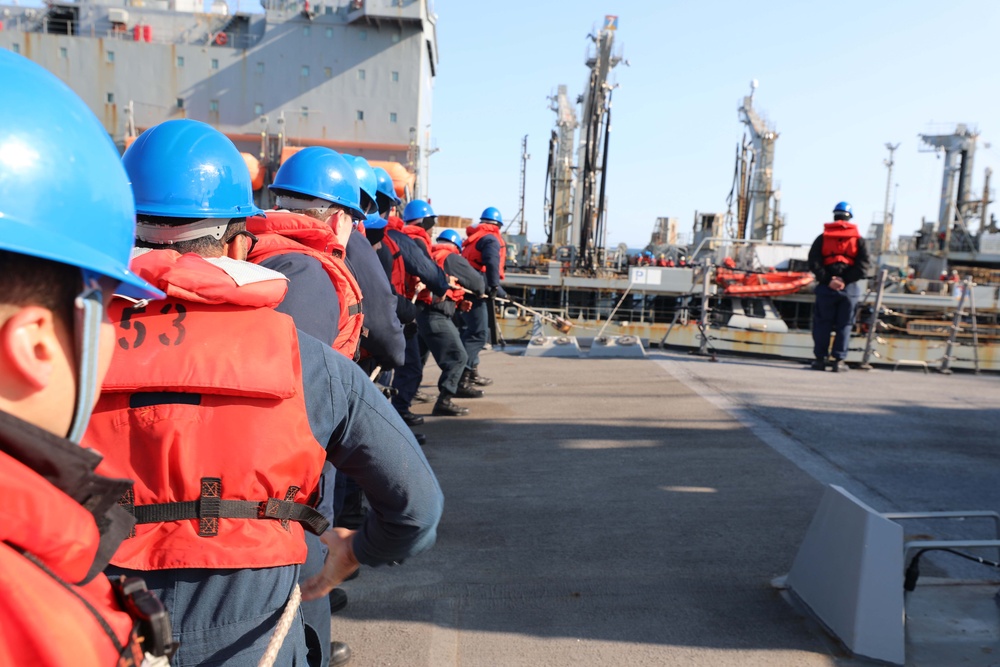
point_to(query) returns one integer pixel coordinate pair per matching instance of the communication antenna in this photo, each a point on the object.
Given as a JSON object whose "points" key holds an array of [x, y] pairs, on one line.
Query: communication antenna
{"points": [[523, 224]]}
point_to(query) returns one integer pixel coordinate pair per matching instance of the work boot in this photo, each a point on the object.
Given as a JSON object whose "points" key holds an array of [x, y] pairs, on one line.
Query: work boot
{"points": [[839, 366], [411, 419], [338, 600], [340, 653], [478, 379], [465, 388], [421, 397], [818, 365], [445, 408]]}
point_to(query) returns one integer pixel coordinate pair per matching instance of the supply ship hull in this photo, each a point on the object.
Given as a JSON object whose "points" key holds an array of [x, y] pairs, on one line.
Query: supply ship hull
{"points": [[357, 76]]}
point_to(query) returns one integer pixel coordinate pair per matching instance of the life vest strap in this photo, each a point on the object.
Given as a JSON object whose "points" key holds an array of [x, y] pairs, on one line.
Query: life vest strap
{"points": [[210, 508]]}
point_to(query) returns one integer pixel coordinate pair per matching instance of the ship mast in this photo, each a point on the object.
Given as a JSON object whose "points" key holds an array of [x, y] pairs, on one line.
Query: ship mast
{"points": [[765, 224], [592, 147], [522, 222], [886, 214], [959, 150], [560, 170]]}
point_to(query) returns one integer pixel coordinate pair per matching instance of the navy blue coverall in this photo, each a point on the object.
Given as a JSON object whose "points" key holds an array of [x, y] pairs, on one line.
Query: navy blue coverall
{"points": [[475, 332], [418, 263], [835, 310]]}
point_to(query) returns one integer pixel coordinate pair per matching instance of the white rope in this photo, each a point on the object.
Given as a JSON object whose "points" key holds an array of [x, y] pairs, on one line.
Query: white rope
{"points": [[281, 630]]}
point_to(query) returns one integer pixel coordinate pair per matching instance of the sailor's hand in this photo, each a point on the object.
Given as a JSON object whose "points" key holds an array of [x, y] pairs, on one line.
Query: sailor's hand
{"points": [[465, 305], [340, 563], [453, 282], [837, 283]]}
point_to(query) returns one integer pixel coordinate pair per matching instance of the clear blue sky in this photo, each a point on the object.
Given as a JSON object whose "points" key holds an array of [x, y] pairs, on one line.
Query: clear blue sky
{"points": [[838, 81]]}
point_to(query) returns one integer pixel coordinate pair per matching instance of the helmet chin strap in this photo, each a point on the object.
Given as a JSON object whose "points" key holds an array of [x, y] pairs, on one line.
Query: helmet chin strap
{"points": [[89, 311]]}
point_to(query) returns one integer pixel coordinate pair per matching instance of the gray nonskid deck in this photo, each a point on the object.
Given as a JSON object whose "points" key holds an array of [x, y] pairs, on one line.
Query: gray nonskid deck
{"points": [[598, 512]]}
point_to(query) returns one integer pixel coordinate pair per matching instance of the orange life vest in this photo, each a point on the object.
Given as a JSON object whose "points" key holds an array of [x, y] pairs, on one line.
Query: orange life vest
{"points": [[225, 465], [439, 253], [471, 253], [282, 232], [398, 266], [840, 243], [420, 235], [45, 622]]}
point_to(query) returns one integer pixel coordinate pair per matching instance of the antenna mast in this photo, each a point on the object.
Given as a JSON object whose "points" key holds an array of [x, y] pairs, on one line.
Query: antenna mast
{"points": [[523, 227], [886, 213]]}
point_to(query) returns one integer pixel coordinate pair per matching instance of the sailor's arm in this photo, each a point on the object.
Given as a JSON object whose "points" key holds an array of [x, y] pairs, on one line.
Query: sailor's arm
{"points": [[368, 441]]}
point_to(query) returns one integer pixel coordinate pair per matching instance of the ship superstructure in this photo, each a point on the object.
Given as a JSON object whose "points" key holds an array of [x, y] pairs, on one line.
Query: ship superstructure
{"points": [[354, 75]]}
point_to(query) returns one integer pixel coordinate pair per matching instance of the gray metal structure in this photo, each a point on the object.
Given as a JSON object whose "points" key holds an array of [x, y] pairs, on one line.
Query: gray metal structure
{"points": [[766, 222], [959, 151], [576, 206], [354, 75], [560, 192]]}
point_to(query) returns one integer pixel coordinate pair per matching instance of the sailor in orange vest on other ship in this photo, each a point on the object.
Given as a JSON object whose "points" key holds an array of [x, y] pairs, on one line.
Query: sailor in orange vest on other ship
{"points": [[839, 259]]}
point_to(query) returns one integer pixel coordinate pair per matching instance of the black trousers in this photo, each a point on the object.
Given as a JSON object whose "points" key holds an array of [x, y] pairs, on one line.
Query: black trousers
{"points": [[440, 335]]}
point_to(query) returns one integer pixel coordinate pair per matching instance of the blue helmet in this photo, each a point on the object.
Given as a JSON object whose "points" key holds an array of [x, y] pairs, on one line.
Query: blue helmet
{"points": [[491, 215], [375, 221], [844, 208], [321, 173], [187, 169], [416, 210], [386, 189], [451, 236], [367, 181], [64, 196]]}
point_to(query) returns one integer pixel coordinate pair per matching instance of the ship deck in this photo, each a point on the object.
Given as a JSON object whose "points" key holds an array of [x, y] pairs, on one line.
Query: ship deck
{"points": [[634, 512]]}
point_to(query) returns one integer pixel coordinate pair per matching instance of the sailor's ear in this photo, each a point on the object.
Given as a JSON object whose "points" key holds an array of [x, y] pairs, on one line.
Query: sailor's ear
{"points": [[29, 347]]}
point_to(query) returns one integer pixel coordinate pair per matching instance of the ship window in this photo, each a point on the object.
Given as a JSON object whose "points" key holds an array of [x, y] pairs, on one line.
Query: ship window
{"points": [[361, 114], [306, 30], [180, 102], [62, 52], [213, 105], [329, 31], [305, 112], [329, 10], [109, 56], [215, 63], [16, 48], [392, 116], [111, 98], [305, 70], [260, 68], [328, 72], [180, 61], [362, 35], [395, 77], [395, 37], [258, 109], [361, 75]]}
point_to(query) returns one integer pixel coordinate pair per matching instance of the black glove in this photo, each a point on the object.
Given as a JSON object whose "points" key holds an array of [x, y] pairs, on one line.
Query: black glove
{"points": [[410, 329], [497, 291]]}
